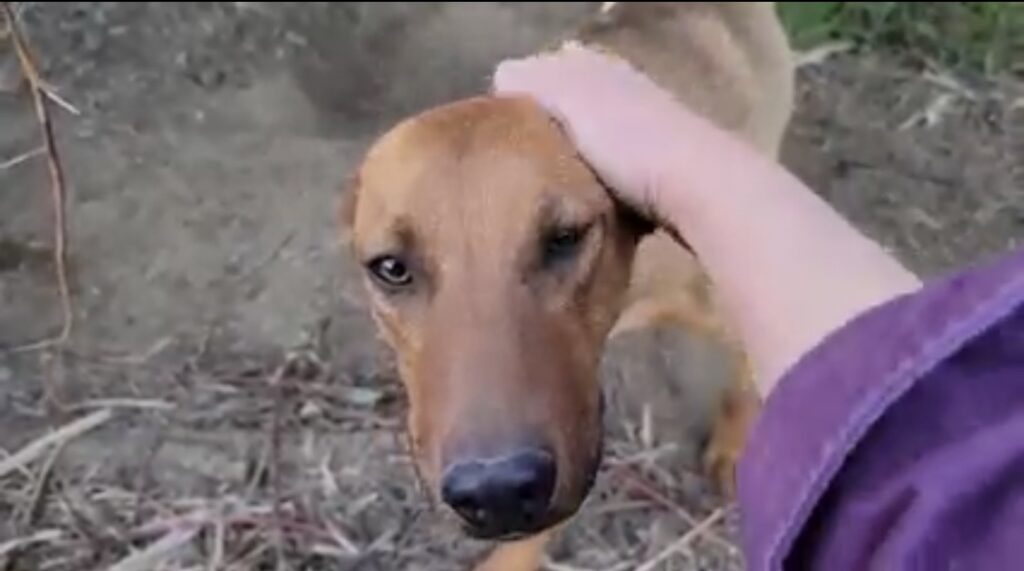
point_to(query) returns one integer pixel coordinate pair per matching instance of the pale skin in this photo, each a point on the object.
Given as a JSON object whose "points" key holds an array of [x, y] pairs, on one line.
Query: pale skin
{"points": [[788, 268]]}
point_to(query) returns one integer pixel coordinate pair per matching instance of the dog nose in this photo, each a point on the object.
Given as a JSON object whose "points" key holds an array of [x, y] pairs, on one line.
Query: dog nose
{"points": [[501, 496]]}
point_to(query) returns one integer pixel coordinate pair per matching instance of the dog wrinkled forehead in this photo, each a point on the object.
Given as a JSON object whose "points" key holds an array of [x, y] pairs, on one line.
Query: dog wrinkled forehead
{"points": [[486, 164]]}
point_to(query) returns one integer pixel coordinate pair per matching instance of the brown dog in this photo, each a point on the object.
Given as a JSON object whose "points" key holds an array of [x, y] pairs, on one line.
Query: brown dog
{"points": [[498, 266]]}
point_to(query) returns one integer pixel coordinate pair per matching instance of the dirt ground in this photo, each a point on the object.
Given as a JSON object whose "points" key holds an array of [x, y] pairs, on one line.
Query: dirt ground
{"points": [[203, 168]]}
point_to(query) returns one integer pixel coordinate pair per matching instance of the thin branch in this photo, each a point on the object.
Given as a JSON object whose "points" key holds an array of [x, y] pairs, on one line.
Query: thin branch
{"points": [[18, 159], [274, 464], [683, 542], [36, 448], [40, 97]]}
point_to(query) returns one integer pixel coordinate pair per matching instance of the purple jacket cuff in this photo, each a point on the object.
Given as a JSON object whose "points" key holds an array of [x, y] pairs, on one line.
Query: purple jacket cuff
{"points": [[837, 466]]}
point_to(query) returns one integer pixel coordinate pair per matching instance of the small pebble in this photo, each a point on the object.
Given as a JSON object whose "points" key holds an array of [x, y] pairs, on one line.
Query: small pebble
{"points": [[211, 77], [310, 410]]}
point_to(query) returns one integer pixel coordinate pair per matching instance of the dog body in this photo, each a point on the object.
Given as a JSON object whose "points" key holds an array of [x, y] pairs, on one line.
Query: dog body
{"points": [[498, 266]]}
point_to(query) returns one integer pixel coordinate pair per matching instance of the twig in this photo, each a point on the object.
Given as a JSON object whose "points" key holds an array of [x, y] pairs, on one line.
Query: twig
{"points": [[131, 403], [57, 190], [65, 433], [649, 490], [327, 480], [41, 536], [217, 552], [614, 508], [257, 475], [31, 509], [144, 475], [150, 557], [551, 565], [821, 53], [145, 356], [85, 520], [652, 493], [684, 541], [51, 93], [18, 159], [346, 544], [274, 465]]}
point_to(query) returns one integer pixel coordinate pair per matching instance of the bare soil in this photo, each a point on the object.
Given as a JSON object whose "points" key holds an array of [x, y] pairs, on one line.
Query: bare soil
{"points": [[256, 418]]}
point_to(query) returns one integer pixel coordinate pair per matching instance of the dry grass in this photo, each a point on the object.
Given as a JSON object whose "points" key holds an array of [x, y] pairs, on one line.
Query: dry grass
{"points": [[298, 504], [88, 520]]}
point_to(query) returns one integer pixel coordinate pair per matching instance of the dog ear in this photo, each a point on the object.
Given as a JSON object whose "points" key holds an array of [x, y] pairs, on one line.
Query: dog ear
{"points": [[633, 221], [639, 225]]}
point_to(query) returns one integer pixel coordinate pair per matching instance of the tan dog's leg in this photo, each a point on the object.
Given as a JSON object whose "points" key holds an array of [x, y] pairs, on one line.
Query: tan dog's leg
{"points": [[524, 555], [736, 413], [670, 288]]}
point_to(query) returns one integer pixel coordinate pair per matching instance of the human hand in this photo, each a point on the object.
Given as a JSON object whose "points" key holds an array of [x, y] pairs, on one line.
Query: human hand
{"points": [[632, 132]]}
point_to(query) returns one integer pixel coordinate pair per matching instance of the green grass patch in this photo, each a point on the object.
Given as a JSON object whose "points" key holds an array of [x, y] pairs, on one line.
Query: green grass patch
{"points": [[985, 37]]}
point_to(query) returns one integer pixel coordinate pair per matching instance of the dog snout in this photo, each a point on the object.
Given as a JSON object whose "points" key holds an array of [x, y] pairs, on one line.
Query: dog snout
{"points": [[502, 496]]}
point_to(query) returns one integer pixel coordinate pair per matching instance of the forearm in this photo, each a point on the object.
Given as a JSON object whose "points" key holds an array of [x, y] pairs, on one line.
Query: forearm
{"points": [[789, 269]]}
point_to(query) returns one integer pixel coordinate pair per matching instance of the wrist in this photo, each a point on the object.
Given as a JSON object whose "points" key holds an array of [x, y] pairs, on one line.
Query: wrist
{"points": [[720, 176]]}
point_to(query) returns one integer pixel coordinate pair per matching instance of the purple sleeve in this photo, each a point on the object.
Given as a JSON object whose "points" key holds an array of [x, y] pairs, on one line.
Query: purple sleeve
{"points": [[898, 442]]}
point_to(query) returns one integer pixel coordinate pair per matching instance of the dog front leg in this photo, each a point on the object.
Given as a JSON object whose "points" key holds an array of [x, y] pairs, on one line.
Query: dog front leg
{"points": [[523, 555], [736, 413]]}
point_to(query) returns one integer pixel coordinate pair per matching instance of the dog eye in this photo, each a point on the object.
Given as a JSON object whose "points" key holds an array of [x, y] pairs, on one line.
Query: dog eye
{"points": [[563, 243], [390, 271]]}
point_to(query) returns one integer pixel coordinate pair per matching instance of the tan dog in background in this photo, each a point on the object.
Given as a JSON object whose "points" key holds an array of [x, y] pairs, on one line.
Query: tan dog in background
{"points": [[498, 266]]}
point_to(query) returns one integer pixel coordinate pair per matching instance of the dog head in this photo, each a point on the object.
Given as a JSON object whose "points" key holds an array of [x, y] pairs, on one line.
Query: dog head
{"points": [[496, 263]]}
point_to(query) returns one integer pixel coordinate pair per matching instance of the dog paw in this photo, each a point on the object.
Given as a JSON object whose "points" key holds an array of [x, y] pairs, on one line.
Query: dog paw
{"points": [[737, 412], [728, 440], [523, 555], [720, 460]]}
